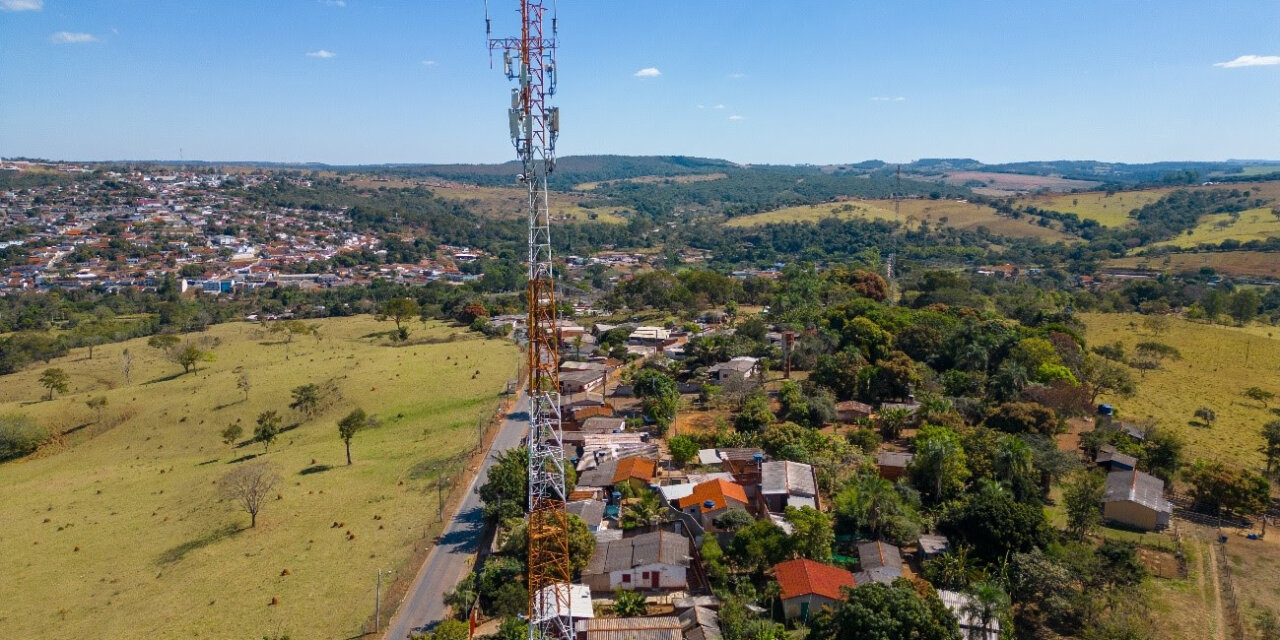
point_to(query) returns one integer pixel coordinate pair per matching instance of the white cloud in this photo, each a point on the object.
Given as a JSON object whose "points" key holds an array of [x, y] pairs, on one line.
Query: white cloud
{"points": [[428, 63], [702, 106], [737, 117], [1249, 61], [719, 106], [737, 76], [21, 5], [887, 98], [333, 3], [322, 54], [648, 72], [68, 37]]}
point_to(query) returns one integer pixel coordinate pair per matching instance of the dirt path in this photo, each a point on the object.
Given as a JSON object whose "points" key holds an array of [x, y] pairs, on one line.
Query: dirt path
{"points": [[1220, 627]]}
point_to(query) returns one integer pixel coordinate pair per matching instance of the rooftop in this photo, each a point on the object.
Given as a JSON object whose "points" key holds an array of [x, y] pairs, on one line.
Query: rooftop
{"points": [[717, 492], [652, 628], [1136, 486], [804, 577], [656, 547], [787, 478]]}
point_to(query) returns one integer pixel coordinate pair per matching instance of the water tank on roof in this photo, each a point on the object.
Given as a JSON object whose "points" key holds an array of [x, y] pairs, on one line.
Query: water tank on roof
{"points": [[708, 504], [1105, 410], [758, 457]]}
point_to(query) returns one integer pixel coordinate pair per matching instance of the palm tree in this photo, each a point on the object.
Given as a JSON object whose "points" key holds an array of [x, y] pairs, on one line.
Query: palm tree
{"points": [[876, 498], [647, 510], [987, 603], [1013, 459], [892, 421]]}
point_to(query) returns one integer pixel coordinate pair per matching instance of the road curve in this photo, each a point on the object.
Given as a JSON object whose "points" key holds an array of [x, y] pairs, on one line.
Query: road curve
{"points": [[451, 558]]}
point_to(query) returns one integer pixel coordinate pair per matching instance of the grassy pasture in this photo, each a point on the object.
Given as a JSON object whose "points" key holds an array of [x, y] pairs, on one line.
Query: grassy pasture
{"points": [[1218, 363], [697, 177], [952, 213], [1235, 263], [509, 202], [1251, 224], [117, 530], [1107, 210]]}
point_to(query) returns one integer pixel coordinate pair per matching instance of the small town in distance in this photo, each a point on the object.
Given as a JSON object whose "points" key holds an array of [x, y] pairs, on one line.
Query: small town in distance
{"points": [[582, 391]]}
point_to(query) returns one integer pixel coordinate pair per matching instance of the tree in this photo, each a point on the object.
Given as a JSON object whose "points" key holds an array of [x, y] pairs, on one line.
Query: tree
{"points": [[506, 491], [306, 399], [659, 395], [683, 449], [349, 425], [242, 383], [20, 436], [1259, 394], [399, 311], [987, 603], [287, 330], [126, 366], [231, 434], [163, 342], [755, 415], [250, 486], [839, 372], [450, 629], [892, 422], [1082, 497], [628, 604], [1243, 305], [888, 612], [758, 546], [811, 534], [995, 525], [643, 511], [268, 429], [97, 405], [939, 467], [1215, 486], [1271, 448], [189, 356], [1023, 417], [733, 519], [55, 379], [1104, 377], [1157, 324]]}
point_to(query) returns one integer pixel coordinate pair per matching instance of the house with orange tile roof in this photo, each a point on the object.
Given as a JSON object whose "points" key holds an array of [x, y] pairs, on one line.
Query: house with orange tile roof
{"points": [[637, 472], [806, 587], [712, 498]]}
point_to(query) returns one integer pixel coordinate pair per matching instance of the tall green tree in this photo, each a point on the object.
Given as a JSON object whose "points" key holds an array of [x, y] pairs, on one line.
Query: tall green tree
{"points": [[888, 612], [55, 379], [812, 536], [400, 311], [683, 449], [660, 399], [1082, 496], [306, 399], [1271, 440], [506, 491], [349, 425], [267, 429]]}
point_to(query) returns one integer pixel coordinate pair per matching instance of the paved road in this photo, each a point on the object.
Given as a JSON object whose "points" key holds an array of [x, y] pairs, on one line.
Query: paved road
{"points": [[451, 558]]}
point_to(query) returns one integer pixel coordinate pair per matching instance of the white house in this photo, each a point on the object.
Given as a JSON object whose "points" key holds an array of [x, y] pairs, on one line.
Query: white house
{"points": [[651, 561]]}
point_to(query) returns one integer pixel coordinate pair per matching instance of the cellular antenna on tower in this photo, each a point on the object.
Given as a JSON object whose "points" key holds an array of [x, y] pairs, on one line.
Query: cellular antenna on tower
{"points": [[530, 60], [891, 263]]}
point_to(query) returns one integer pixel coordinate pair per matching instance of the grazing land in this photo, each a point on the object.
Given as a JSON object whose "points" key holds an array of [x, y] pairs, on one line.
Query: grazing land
{"points": [[952, 213], [507, 202], [1257, 264], [1003, 184], [1109, 210], [697, 177], [1217, 365], [116, 530], [1251, 224]]}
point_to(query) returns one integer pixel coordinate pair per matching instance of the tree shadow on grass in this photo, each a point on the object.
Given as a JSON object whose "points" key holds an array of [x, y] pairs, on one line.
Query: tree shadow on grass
{"points": [[243, 458], [177, 553], [79, 427], [228, 404], [315, 468], [166, 378], [208, 462]]}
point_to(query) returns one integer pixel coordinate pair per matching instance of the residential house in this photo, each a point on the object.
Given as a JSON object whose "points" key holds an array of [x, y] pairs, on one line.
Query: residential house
{"points": [[878, 562], [710, 499], [893, 464], [647, 628], [744, 463], [582, 381], [932, 546], [807, 586], [590, 511], [739, 368], [852, 410], [655, 560], [785, 484], [637, 472], [569, 601], [1112, 460], [1136, 499], [700, 623], [649, 336]]}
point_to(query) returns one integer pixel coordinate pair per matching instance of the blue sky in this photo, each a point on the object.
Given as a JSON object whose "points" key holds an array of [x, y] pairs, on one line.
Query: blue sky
{"points": [[787, 81]]}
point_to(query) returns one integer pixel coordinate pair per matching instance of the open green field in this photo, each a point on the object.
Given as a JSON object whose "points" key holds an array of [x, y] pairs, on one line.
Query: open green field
{"points": [[1218, 363], [117, 531], [952, 213], [1233, 263], [1108, 210], [684, 179], [1251, 224], [507, 202]]}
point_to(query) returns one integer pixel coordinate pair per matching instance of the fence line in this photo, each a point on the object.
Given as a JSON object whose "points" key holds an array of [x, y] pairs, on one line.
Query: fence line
{"points": [[1229, 592]]}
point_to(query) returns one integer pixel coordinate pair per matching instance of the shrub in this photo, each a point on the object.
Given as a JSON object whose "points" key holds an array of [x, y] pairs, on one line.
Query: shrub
{"points": [[20, 435]]}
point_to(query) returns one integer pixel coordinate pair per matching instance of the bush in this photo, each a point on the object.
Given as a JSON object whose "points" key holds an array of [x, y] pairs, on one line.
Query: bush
{"points": [[20, 435]]}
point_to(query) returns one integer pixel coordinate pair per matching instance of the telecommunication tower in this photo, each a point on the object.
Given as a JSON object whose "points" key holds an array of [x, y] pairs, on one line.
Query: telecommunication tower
{"points": [[891, 264], [529, 59]]}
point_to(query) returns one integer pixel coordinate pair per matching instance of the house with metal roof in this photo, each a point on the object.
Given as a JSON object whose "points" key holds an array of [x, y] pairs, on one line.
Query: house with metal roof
{"points": [[784, 483], [647, 628], [658, 560], [806, 587], [1136, 499], [563, 600], [970, 626], [741, 368], [878, 562], [893, 464], [700, 623], [1112, 460]]}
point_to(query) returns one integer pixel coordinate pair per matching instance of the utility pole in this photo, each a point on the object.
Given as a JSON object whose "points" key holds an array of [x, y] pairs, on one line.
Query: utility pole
{"points": [[377, 601]]}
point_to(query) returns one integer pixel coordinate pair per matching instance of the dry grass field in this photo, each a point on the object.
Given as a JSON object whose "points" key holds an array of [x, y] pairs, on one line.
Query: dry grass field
{"points": [[952, 213], [1108, 210], [699, 177], [117, 530], [1235, 263], [1252, 224], [508, 202], [1218, 364]]}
